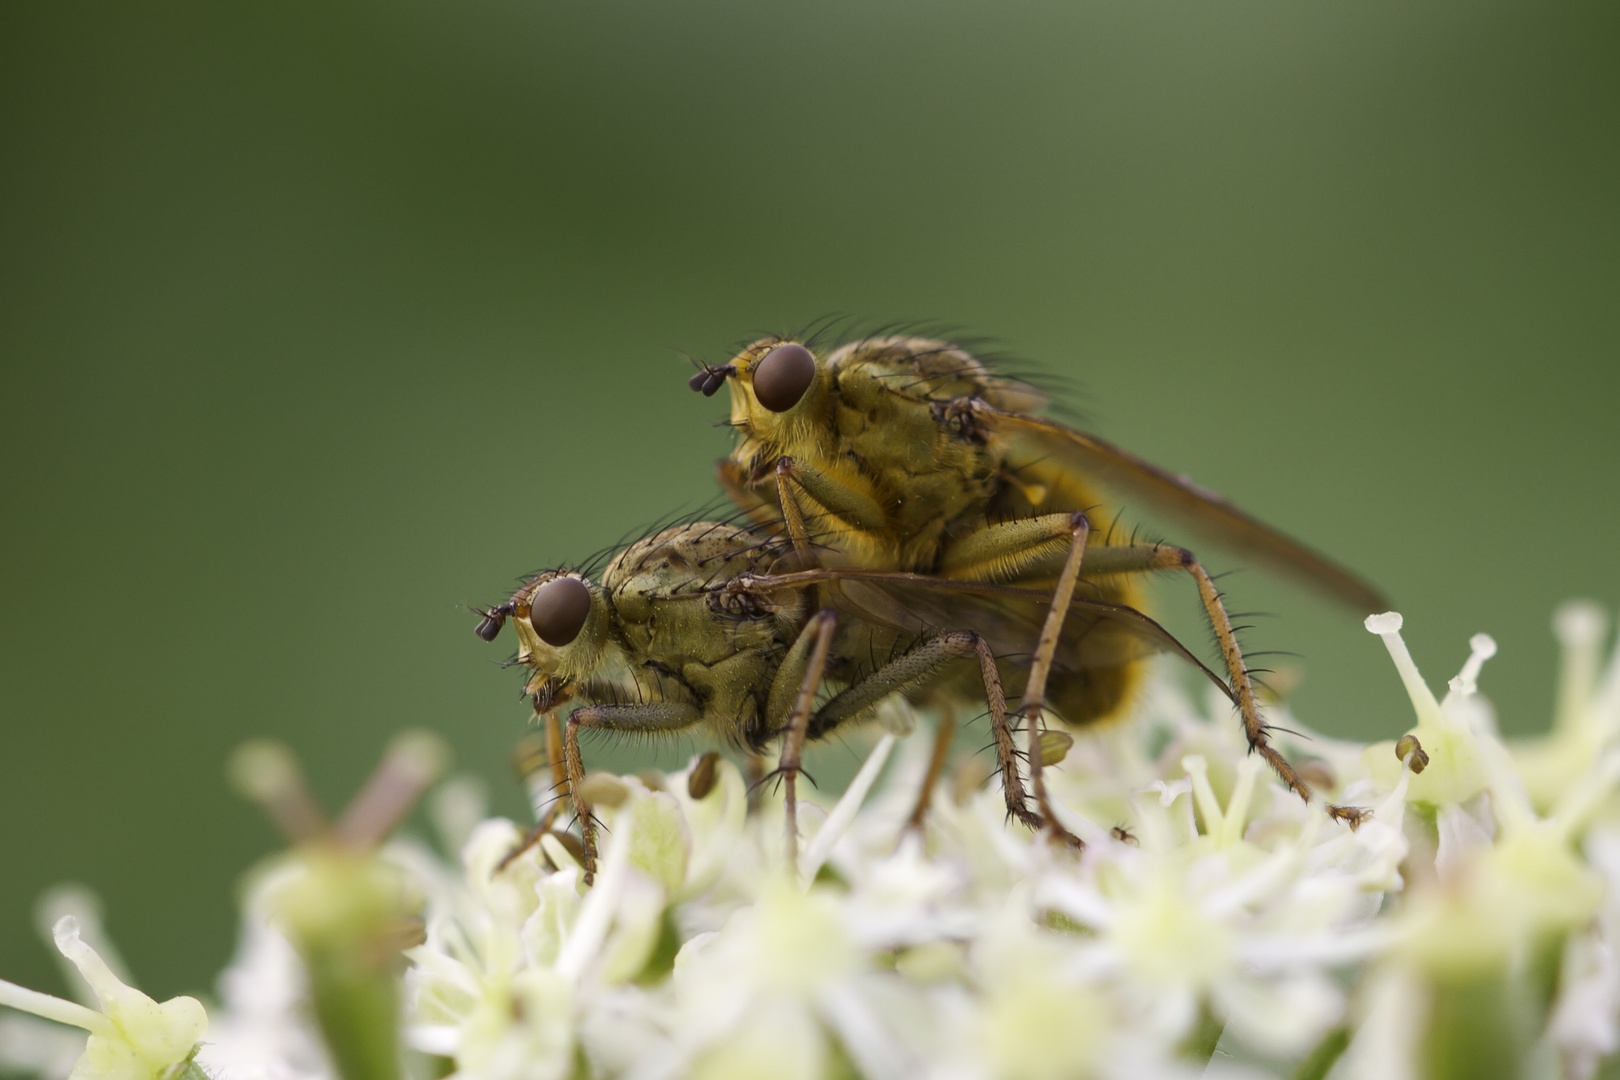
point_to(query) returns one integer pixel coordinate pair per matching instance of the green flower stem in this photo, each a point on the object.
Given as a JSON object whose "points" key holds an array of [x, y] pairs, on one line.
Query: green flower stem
{"points": [[1474, 1033], [1323, 1056], [1200, 1043], [358, 1011], [347, 915]]}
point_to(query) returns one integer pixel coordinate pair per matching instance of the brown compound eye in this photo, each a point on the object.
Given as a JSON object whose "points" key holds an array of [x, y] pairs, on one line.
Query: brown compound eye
{"points": [[782, 377], [558, 609]]}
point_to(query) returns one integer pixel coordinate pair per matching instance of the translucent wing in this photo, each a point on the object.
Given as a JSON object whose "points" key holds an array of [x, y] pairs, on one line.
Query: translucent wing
{"points": [[1041, 452], [1095, 633]]}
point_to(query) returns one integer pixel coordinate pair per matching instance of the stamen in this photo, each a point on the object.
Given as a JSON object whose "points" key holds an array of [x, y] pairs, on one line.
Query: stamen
{"points": [[1579, 802], [78, 901], [1388, 627], [1579, 627], [62, 1011], [267, 773], [843, 814], [413, 761], [1209, 807], [1237, 807], [1466, 683]]}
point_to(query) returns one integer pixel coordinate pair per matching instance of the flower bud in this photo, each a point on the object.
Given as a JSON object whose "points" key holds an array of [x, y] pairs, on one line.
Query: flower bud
{"points": [[1054, 747]]}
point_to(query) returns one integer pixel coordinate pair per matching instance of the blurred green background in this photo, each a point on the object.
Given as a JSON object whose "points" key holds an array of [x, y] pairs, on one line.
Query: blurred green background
{"points": [[320, 320]]}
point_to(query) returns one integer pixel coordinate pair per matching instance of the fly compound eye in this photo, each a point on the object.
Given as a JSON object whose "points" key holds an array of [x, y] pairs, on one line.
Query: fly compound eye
{"points": [[557, 610], [782, 377]]}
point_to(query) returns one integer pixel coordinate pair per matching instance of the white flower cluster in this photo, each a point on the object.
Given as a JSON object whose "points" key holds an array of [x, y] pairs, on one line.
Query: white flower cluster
{"points": [[1214, 925], [1220, 907]]}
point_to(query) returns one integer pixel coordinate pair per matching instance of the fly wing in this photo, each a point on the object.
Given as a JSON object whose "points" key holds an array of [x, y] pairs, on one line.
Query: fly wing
{"points": [[1036, 449], [1095, 633]]}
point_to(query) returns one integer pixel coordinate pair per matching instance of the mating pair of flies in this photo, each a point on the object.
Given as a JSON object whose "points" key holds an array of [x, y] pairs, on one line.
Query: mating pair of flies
{"points": [[914, 528]]}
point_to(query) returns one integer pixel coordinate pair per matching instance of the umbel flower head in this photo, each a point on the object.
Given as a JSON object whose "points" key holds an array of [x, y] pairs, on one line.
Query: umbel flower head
{"points": [[1213, 922], [1209, 909]]}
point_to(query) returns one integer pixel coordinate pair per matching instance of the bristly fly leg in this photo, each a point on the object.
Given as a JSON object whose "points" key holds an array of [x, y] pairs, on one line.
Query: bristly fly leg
{"points": [[1135, 558], [654, 716], [1034, 702], [915, 668], [559, 785], [793, 516], [850, 506], [818, 636], [943, 736]]}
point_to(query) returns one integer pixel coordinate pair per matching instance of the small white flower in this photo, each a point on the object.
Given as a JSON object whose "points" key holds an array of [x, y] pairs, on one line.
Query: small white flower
{"points": [[518, 963], [132, 1037]]}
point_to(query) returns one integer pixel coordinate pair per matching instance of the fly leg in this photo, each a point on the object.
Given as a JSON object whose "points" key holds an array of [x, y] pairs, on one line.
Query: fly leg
{"points": [[1023, 548], [1020, 549], [1045, 651], [1133, 558], [915, 668], [559, 785], [799, 674], [793, 516], [851, 508], [860, 511], [1030, 548], [936, 767], [652, 717]]}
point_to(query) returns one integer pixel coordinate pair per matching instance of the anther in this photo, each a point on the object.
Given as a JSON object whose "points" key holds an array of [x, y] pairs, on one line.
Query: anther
{"points": [[1407, 745], [701, 780]]}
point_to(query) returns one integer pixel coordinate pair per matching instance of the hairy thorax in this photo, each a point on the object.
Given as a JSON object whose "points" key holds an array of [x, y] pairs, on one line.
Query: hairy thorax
{"points": [[661, 589], [891, 417]]}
